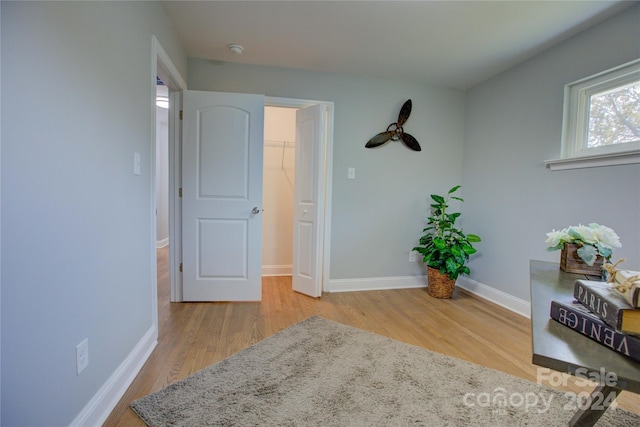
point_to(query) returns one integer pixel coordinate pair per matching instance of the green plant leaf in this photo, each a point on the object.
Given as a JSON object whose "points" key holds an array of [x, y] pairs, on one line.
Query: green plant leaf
{"points": [[473, 238], [575, 234], [469, 250], [438, 199], [454, 189], [604, 249], [452, 217], [452, 265], [588, 254]]}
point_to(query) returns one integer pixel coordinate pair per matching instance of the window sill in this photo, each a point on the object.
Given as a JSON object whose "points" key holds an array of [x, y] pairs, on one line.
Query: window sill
{"points": [[614, 159]]}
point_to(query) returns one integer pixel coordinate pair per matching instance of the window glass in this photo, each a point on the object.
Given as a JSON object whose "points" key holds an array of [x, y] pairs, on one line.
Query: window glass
{"points": [[614, 116]]}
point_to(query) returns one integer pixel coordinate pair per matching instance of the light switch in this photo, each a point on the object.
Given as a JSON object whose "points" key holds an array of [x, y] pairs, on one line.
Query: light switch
{"points": [[136, 163], [351, 173]]}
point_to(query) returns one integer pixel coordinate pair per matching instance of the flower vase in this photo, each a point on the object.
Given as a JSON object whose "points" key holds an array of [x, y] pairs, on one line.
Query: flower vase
{"points": [[572, 263], [439, 285]]}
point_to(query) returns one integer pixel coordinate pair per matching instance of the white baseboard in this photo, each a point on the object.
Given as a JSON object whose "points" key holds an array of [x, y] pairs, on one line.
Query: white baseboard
{"points": [[102, 403], [495, 296], [162, 243], [277, 270], [376, 283]]}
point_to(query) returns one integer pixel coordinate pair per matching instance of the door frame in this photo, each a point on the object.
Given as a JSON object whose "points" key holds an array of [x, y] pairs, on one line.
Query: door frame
{"points": [[175, 182], [324, 202], [163, 67]]}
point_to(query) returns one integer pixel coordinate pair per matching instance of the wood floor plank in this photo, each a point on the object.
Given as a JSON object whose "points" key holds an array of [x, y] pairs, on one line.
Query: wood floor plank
{"points": [[192, 336]]}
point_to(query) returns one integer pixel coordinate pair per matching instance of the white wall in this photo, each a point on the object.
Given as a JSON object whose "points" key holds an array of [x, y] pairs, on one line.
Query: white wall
{"points": [[278, 184], [77, 240], [378, 217], [513, 124]]}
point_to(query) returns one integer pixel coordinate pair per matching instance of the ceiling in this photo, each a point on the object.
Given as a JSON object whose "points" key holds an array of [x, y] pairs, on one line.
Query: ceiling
{"points": [[454, 44]]}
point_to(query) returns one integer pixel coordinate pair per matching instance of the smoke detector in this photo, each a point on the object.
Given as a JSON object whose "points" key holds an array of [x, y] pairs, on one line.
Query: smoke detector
{"points": [[235, 49]]}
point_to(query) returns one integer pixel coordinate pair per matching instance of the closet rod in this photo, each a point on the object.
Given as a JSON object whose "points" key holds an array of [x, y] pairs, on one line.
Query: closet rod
{"points": [[275, 143]]}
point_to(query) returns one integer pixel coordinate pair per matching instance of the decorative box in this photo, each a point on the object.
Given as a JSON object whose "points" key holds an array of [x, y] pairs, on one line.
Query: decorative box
{"points": [[572, 263]]}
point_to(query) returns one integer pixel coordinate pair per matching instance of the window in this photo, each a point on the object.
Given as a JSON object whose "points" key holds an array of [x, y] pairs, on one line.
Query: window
{"points": [[601, 122]]}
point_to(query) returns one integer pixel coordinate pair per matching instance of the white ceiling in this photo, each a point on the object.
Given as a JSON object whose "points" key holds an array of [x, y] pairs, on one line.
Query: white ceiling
{"points": [[451, 43]]}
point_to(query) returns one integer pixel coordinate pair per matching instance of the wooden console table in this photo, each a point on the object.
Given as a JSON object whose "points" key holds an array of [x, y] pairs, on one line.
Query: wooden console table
{"points": [[558, 347]]}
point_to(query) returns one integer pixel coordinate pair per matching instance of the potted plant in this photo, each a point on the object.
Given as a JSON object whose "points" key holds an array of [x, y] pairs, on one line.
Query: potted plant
{"points": [[584, 247], [445, 248]]}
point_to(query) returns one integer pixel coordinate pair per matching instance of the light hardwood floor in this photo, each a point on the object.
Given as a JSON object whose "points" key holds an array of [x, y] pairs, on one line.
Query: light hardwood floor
{"points": [[195, 335]]}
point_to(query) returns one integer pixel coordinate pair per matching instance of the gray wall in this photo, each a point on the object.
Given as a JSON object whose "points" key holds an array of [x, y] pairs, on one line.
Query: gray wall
{"points": [[513, 124], [77, 226], [76, 222], [378, 217]]}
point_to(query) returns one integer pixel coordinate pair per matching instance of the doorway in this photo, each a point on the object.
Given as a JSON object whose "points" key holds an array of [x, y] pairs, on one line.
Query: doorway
{"points": [[163, 271], [278, 187], [175, 178], [162, 199]]}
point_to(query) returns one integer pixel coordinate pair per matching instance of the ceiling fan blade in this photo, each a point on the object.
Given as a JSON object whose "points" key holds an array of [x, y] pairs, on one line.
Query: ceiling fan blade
{"points": [[379, 139], [405, 111], [410, 142]]}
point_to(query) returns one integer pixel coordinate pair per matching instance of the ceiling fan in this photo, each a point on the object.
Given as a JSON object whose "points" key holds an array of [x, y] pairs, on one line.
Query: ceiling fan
{"points": [[395, 132]]}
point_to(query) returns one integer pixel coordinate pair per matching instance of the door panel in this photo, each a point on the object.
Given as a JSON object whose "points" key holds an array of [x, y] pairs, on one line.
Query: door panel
{"points": [[305, 249], [217, 261], [308, 217], [222, 183], [223, 166]]}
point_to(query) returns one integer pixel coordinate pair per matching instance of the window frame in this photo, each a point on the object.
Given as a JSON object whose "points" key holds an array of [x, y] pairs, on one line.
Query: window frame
{"points": [[575, 122]]}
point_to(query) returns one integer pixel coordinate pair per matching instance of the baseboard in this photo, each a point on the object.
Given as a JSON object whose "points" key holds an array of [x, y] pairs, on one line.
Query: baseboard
{"points": [[376, 283], [162, 243], [102, 403], [496, 296], [277, 270]]}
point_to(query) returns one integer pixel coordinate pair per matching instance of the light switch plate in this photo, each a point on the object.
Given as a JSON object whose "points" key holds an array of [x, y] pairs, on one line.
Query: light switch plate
{"points": [[351, 173], [136, 163]]}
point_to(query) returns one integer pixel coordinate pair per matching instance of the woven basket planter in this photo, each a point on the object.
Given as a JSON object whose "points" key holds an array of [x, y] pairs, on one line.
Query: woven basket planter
{"points": [[572, 263], [439, 285]]}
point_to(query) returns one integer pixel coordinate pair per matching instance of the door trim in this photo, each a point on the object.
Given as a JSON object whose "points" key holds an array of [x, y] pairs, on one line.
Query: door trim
{"points": [[163, 67]]}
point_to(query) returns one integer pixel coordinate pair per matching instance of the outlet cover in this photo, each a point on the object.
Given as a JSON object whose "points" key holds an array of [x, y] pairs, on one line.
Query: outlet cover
{"points": [[82, 356], [136, 163]]}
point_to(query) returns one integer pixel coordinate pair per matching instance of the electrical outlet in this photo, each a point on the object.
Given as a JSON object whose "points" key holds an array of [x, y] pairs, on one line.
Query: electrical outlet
{"points": [[412, 256], [82, 356]]}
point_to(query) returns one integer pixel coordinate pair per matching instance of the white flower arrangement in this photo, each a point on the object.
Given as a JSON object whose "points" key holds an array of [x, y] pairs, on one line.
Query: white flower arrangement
{"points": [[593, 239]]}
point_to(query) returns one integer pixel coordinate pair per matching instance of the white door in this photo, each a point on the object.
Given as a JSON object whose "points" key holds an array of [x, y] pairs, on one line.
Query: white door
{"points": [[222, 196], [308, 216]]}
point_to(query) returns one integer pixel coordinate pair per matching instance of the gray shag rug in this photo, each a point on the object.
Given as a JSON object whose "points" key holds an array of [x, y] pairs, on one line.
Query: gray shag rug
{"points": [[322, 373]]}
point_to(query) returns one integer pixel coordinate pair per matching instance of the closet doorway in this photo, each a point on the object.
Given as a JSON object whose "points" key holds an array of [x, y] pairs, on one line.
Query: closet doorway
{"points": [[278, 190]]}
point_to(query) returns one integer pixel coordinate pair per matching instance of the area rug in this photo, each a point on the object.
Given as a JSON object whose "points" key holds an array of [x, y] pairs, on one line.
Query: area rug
{"points": [[323, 373]]}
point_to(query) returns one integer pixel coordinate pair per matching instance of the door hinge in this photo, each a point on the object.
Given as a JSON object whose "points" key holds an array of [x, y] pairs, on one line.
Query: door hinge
{"points": [[180, 267], [180, 114], [180, 192]]}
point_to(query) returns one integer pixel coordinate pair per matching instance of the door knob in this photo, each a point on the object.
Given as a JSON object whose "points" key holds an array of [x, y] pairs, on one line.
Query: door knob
{"points": [[255, 210]]}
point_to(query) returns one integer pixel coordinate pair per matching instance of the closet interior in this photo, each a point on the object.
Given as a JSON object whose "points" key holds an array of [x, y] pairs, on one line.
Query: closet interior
{"points": [[278, 187]]}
